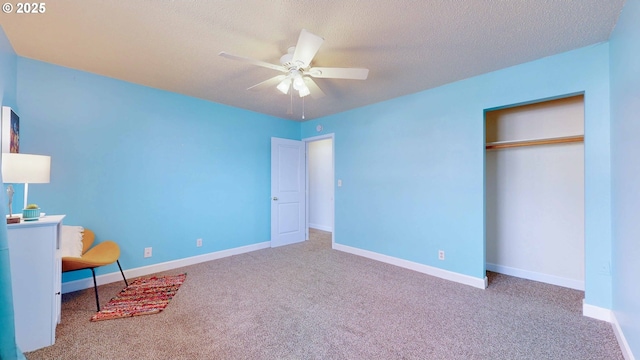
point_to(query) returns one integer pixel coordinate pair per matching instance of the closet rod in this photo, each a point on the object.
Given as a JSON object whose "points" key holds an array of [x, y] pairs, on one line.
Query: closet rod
{"points": [[518, 143]]}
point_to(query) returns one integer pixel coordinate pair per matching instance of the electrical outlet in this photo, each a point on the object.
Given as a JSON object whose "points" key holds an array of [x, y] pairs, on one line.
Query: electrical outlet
{"points": [[147, 252], [440, 254], [199, 242]]}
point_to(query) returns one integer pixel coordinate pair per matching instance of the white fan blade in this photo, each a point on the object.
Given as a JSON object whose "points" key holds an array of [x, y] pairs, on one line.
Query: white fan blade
{"points": [[314, 90], [253, 61], [268, 83], [307, 47], [338, 73]]}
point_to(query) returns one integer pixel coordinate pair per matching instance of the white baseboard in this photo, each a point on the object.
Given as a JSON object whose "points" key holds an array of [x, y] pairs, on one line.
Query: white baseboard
{"points": [[622, 340], [596, 312], [609, 316], [321, 227], [536, 276], [425, 269], [86, 283]]}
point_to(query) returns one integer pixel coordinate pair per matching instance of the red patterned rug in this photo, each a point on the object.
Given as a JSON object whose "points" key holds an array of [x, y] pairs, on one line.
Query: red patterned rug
{"points": [[142, 297]]}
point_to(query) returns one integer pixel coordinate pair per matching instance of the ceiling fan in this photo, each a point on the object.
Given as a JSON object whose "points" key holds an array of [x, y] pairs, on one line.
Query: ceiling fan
{"points": [[297, 71]]}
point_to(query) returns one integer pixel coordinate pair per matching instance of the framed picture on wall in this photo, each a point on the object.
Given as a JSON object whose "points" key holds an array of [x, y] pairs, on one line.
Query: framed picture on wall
{"points": [[9, 131]]}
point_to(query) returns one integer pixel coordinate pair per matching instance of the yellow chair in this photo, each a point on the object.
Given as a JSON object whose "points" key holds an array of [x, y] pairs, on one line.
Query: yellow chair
{"points": [[105, 253]]}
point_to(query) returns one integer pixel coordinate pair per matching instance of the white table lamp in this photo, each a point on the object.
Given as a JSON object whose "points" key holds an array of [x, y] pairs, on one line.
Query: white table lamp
{"points": [[25, 169]]}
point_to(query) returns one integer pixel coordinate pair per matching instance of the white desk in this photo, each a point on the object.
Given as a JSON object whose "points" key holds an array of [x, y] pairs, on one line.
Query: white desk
{"points": [[36, 280]]}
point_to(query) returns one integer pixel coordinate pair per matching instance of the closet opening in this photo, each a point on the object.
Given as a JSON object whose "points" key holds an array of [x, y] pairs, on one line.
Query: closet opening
{"points": [[534, 191]]}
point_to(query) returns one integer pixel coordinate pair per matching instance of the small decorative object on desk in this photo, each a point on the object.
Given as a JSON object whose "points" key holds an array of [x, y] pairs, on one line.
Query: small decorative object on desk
{"points": [[31, 212], [11, 219]]}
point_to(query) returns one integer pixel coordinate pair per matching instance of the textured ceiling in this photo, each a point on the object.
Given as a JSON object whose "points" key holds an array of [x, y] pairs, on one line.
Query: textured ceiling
{"points": [[408, 45]]}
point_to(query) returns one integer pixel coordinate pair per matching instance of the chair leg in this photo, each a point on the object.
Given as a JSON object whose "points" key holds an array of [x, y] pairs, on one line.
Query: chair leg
{"points": [[120, 267], [95, 287]]}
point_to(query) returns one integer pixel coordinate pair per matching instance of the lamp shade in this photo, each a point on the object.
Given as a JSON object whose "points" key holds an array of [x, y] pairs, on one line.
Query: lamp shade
{"points": [[25, 168], [284, 85], [298, 82], [304, 91]]}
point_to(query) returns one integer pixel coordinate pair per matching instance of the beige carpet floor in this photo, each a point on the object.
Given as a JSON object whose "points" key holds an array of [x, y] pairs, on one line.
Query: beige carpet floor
{"points": [[307, 301]]}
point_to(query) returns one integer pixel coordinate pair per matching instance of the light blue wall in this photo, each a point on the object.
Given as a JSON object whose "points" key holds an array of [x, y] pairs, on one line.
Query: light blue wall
{"points": [[8, 81], [625, 135], [145, 167], [413, 167]]}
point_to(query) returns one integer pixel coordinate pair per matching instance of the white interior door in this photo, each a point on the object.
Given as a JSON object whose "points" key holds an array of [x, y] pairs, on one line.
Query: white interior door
{"points": [[287, 192]]}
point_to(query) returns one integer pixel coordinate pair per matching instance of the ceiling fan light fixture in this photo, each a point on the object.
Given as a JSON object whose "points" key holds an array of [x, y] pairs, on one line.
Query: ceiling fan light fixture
{"points": [[298, 82], [296, 71], [284, 85], [304, 91]]}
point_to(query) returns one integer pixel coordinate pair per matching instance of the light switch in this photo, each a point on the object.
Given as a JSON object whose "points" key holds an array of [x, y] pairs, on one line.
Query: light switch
{"points": [[339, 182]]}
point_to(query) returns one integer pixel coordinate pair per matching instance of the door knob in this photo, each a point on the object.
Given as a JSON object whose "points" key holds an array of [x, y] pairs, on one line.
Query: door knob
{"points": [[275, 198]]}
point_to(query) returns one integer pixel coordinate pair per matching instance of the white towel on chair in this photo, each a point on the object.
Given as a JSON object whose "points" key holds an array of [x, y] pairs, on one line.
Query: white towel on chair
{"points": [[71, 241]]}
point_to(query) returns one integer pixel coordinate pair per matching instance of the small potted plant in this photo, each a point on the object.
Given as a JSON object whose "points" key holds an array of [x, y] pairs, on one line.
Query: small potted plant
{"points": [[31, 212]]}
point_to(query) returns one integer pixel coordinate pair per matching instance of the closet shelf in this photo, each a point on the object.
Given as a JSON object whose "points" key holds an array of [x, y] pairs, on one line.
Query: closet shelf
{"points": [[519, 143]]}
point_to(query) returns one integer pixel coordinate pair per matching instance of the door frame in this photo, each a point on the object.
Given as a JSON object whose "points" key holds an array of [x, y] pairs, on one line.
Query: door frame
{"points": [[333, 168]]}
